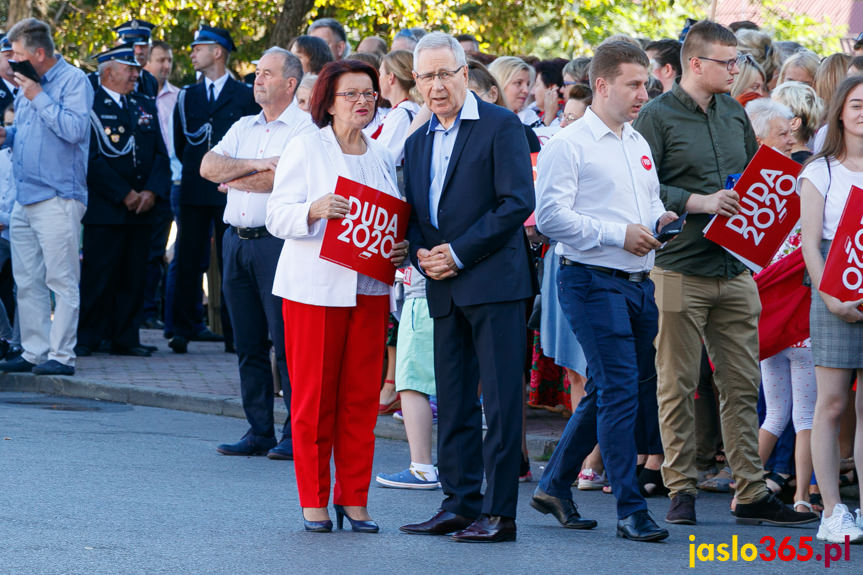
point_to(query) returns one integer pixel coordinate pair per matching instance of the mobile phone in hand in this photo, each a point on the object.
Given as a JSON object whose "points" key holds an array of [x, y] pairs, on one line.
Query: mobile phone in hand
{"points": [[670, 229], [25, 68]]}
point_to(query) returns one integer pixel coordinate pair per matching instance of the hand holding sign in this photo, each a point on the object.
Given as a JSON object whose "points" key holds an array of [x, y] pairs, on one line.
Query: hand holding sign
{"points": [[842, 280], [754, 219], [329, 207]]}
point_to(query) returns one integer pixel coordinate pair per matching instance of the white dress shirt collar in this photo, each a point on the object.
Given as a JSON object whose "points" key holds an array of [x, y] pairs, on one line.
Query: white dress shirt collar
{"points": [[599, 128], [469, 111], [116, 96], [218, 84]]}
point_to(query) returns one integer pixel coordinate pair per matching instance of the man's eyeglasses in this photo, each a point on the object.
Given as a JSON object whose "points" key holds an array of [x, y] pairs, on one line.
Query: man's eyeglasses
{"points": [[729, 64], [570, 118], [353, 96], [443, 75]]}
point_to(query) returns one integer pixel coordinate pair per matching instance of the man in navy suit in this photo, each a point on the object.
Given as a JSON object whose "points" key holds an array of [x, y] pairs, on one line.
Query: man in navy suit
{"points": [[468, 178], [203, 114]]}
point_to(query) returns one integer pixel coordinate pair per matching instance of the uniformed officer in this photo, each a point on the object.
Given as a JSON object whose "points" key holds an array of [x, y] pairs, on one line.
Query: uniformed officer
{"points": [[137, 33], [8, 88], [203, 114], [128, 172]]}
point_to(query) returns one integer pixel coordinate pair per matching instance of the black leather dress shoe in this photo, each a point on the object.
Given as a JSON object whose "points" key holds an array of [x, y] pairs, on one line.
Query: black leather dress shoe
{"points": [[284, 451], [640, 527], [150, 348], [564, 510], [207, 335], [443, 523], [83, 350], [179, 344], [17, 365], [248, 445], [487, 529], [135, 350]]}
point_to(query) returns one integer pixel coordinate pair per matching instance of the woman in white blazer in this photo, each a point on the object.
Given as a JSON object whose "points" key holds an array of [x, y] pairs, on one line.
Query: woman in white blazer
{"points": [[335, 318]]}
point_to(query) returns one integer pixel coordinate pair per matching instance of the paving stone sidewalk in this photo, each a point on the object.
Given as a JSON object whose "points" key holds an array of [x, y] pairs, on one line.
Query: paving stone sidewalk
{"points": [[205, 380]]}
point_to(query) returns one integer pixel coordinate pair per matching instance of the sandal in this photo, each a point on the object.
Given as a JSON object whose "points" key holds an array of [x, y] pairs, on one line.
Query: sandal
{"points": [[816, 502], [650, 483], [848, 478], [785, 491], [805, 504], [719, 483]]}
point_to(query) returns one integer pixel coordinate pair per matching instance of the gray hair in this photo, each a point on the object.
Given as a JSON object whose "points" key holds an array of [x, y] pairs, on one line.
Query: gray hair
{"points": [[762, 111], [33, 34], [292, 67], [308, 81], [435, 40], [336, 28]]}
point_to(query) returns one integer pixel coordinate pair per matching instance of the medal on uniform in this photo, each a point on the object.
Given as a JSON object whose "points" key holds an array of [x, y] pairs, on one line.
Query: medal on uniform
{"points": [[121, 129], [107, 131], [115, 138]]}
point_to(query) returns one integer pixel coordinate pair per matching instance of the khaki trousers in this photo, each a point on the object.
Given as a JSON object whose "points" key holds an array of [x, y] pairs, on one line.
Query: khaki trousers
{"points": [[724, 313]]}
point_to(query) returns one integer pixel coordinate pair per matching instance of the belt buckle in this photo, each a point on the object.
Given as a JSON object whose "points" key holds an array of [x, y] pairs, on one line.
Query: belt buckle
{"points": [[636, 277], [241, 233]]}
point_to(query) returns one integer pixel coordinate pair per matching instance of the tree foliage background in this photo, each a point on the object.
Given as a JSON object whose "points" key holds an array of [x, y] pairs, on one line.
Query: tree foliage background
{"points": [[543, 28]]}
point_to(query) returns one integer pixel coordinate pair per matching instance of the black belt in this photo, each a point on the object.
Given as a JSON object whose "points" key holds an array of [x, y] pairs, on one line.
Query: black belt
{"points": [[636, 277], [252, 233]]}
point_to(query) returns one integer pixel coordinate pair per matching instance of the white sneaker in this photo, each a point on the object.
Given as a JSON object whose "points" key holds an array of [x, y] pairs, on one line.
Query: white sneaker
{"points": [[835, 528], [859, 521], [589, 480]]}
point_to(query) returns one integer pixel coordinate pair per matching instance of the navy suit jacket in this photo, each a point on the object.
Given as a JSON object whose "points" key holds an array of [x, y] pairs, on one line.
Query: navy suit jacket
{"points": [[235, 101], [487, 196]]}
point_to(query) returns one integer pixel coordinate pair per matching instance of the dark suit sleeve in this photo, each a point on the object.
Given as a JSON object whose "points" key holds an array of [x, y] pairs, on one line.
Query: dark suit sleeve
{"points": [[159, 179], [513, 186], [102, 178]]}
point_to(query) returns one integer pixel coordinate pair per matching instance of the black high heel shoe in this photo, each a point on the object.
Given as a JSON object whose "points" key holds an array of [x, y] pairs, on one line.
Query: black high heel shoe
{"points": [[325, 526], [356, 524]]}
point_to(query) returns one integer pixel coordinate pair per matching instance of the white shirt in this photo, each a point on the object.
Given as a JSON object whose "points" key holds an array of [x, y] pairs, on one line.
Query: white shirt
{"points": [[396, 129], [166, 99], [834, 186], [254, 137], [590, 185], [114, 95], [218, 84]]}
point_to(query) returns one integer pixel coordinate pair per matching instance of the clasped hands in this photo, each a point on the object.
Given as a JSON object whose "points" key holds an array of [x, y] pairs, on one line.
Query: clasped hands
{"points": [[438, 263], [139, 202]]}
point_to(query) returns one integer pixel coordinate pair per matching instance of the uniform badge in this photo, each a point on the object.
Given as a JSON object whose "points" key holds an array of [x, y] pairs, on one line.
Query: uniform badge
{"points": [[108, 101], [115, 138], [121, 129], [144, 118], [107, 131], [2, 93]]}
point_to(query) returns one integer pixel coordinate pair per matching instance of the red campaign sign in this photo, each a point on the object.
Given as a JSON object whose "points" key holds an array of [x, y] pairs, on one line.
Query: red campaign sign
{"points": [[531, 220], [769, 209], [363, 241], [843, 271]]}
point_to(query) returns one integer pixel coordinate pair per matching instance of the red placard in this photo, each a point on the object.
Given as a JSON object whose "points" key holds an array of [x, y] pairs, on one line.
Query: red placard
{"points": [[531, 220], [363, 240], [843, 271], [769, 209]]}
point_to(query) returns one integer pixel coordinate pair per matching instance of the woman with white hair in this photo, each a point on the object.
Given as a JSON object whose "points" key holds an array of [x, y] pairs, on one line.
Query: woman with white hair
{"points": [[808, 110], [788, 378]]}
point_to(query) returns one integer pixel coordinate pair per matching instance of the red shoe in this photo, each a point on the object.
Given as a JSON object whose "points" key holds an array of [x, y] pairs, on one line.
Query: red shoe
{"points": [[391, 407]]}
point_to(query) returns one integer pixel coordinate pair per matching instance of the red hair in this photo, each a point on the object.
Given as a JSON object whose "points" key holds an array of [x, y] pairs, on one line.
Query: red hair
{"points": [[324, 93]]}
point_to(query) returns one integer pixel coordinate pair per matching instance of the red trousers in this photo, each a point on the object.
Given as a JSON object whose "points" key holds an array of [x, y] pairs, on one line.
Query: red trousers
{"points": [[335, 358]]}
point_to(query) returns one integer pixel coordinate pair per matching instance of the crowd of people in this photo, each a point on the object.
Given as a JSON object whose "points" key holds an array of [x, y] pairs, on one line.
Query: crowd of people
{"points": [[551, 282]]}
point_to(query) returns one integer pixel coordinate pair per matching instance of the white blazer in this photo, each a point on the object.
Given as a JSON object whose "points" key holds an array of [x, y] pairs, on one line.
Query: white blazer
{"points": [[307, 170]]}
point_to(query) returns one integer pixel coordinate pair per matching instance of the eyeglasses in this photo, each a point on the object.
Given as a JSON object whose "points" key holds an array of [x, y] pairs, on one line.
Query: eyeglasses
{"points": [[729, 64], [570, 117], [353, 96], [443, 75]]}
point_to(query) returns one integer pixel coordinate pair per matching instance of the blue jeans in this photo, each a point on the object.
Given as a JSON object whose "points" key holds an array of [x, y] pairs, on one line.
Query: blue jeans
{"points": [[615, 321]]}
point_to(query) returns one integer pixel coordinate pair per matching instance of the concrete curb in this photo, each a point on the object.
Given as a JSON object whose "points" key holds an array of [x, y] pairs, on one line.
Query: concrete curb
{"points": [[386, 428]]}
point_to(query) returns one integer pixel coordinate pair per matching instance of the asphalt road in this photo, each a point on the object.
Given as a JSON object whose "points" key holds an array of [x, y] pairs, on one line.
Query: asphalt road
{"points": [[98, 488]]}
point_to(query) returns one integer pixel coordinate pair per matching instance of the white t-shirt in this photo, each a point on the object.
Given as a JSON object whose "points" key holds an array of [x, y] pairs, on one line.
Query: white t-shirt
{"points": [[396, 129], [839, 180]]}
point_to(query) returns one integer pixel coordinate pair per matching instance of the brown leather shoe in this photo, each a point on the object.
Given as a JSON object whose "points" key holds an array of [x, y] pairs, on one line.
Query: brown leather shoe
{"points": [[682, 510], [443, 523], [487, 529]]}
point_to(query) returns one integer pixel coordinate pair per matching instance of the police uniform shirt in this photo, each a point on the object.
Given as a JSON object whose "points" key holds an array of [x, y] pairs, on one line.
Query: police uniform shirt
{"points": [[217, 84], [254, 137]]}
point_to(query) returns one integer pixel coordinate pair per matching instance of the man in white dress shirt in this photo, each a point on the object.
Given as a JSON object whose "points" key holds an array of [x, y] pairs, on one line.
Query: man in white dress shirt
{"points": [[598, 196], [246, 159]]}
